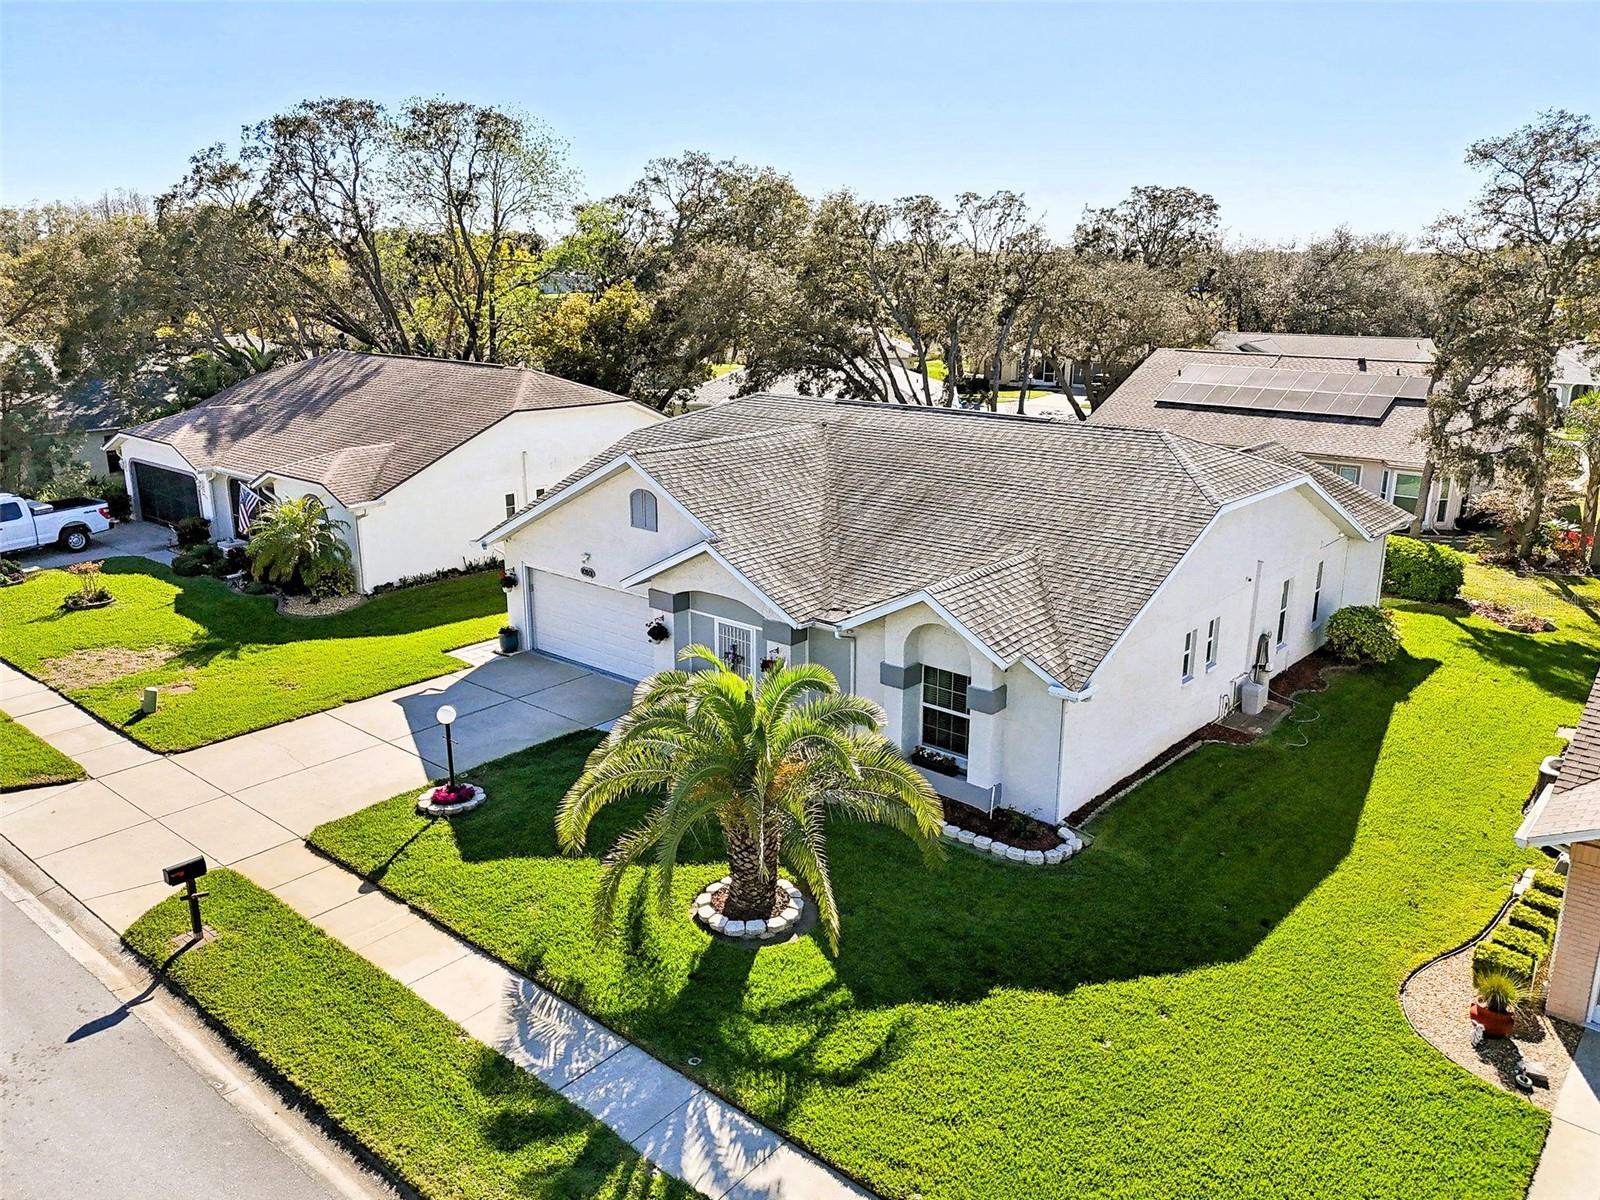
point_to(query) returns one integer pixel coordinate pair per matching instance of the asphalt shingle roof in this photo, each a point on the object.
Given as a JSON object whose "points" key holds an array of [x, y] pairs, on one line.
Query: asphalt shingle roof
{"points": [[833, 508], [1394, 439], [1573, 806], [1320, 345], [358, 424]]}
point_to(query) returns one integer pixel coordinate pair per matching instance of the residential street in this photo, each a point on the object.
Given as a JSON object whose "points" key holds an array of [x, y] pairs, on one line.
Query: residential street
{"points": [[96, 1105]]}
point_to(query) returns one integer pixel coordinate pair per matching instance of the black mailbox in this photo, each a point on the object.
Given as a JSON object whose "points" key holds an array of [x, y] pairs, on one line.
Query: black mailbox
{"points": [[184, 872]]}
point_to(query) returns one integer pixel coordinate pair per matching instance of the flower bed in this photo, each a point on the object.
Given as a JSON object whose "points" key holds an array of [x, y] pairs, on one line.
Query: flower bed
{"points": [[788, 909], [1004, 824], [1069, 842], [1514, 619], [442, 802]]}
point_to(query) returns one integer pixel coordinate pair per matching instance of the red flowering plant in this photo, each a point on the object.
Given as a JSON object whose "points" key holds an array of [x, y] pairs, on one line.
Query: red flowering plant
{"points": [[453, 793]]}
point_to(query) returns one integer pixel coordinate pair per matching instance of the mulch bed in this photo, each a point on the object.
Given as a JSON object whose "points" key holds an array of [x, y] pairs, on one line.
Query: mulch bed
{"points": [[1310, 674], [779, 901], [1512, 618], [305, 606], [1007, 825]]}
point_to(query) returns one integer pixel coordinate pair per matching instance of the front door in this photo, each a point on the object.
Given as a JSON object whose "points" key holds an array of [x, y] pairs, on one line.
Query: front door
{"points": [[736, 646]]}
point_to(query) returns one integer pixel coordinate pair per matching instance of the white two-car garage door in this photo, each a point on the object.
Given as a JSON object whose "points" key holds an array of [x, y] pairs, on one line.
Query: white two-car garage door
{"points": [[593, 625]]}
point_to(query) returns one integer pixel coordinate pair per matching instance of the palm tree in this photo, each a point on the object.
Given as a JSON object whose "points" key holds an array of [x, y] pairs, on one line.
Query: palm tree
{"points": [[767, 761], [297, 537]]}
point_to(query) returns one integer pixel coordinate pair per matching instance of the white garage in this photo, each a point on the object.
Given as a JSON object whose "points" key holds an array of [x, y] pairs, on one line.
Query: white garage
{"points": [[597, 626]]}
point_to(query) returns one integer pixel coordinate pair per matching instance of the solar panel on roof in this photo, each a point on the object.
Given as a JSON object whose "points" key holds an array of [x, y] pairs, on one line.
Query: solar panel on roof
{"points": [[1354, 395]]}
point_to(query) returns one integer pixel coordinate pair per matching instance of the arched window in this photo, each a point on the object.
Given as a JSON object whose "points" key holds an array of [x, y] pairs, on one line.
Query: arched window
{"points": [[642, 509]]}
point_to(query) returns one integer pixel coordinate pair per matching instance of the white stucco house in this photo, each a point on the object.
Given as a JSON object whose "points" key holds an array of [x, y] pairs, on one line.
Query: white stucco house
{"points": [[414, 455], [1049, 605], [1357, 405]]}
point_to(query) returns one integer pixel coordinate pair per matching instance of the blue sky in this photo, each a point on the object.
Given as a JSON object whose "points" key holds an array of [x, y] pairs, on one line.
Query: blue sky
{"points": [[1297, 117]]}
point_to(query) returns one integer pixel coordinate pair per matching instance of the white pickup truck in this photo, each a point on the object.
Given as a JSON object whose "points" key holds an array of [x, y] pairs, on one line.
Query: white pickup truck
{"points": [[27, 524]]}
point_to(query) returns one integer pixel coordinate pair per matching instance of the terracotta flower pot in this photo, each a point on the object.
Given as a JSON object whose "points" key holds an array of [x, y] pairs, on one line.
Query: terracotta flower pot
{"points": [[1495, 1024]]}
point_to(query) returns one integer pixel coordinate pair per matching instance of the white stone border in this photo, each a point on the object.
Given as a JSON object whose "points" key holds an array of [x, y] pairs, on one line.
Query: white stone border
{"points": [[754, 931], [1071, 842], [428, 808]]}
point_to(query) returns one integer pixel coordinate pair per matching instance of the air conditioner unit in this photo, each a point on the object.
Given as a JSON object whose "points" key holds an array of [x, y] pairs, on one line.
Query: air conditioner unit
{"points": [[1252, 697]]}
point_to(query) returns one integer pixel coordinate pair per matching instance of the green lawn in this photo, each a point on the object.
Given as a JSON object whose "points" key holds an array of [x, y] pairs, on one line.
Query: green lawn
{"points": [[1202, 1004], [1564, 601], [228, 663], [26, 760], [448, 1115]]}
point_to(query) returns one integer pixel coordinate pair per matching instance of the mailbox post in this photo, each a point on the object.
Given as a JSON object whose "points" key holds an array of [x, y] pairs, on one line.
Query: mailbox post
{"points": [[186, 873]]}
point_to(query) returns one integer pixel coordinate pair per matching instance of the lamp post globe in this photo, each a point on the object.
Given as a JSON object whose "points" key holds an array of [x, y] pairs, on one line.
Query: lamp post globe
{"points": [[447, 717]]}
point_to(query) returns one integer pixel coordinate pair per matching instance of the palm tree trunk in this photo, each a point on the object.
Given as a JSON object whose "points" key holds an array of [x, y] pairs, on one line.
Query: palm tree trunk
{"points": [[751, 888]]}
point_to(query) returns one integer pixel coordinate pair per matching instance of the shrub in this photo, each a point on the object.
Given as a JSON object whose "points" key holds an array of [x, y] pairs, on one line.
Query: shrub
{"points": [[1543, 901], [1361, 631], [1500, 991], [1524, 940], [1552, 883], [204, 559], [1493, 957], [1416, 570], [296, 542], [10, 570], [90, 588], [1526, 916], [258, 588], [192, 531]]}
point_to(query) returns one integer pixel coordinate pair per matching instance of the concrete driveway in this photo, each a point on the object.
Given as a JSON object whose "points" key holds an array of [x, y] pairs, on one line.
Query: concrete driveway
{"points": [[140, 538], [105, 839]]}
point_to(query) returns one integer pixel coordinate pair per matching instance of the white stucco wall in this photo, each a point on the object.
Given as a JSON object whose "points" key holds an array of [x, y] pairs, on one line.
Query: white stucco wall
{"points": [[1141, 703], [592, 530], [433, 520]]}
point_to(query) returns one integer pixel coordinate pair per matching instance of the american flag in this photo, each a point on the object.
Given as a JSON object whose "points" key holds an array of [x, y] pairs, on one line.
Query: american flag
{"points": [[249, 503]]}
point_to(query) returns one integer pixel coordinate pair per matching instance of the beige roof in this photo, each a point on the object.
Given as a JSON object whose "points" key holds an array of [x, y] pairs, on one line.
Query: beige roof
{"points": [[1393, 439], [1322, 345], [1044, 539], [1570, 810], [357, 424]]}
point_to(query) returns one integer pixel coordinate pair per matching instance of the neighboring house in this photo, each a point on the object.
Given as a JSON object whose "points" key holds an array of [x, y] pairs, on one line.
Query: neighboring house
{"points": [[415, 455], [1567, 813], [90, 415], [1328, 345], [1359, 415], [1576, 373], [1050, 646]]}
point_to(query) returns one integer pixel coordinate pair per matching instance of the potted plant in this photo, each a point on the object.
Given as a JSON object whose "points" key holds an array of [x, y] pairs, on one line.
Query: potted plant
{"points": [[508, 580], [510, 639], [657, 630], [1498, 994]]}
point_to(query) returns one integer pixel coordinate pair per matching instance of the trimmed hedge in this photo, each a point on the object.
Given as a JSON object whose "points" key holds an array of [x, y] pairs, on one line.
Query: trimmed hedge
{"points": [[1526, 916], [1360, 632], [1551, 882], [1523, 940], [1416, 570], [1543, 901], [1491, 956]]}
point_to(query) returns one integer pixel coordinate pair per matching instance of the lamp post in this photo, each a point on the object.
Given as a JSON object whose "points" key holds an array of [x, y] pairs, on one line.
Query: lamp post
{"points": [[447, 718]]}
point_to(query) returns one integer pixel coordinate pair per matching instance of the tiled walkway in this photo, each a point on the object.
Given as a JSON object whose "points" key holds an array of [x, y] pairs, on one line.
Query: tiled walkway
{"points": [[248, 802]]}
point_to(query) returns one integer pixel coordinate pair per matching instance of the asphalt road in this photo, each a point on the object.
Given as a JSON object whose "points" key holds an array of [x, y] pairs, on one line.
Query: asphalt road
{"points": [[95, 1106]]}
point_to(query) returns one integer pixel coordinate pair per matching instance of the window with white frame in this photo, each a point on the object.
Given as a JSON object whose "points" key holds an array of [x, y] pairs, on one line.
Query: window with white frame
{"points": [[642, 509], [1444, 502], [1188, 654], [1316, 597], [946, 724], [511, 504], [1283, 611], [1348, 472], [1212, 631]]}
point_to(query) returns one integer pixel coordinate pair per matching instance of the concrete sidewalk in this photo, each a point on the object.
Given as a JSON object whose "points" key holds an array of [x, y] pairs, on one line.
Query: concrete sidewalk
{"points": [[249, 802], [1570, 1163]]}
